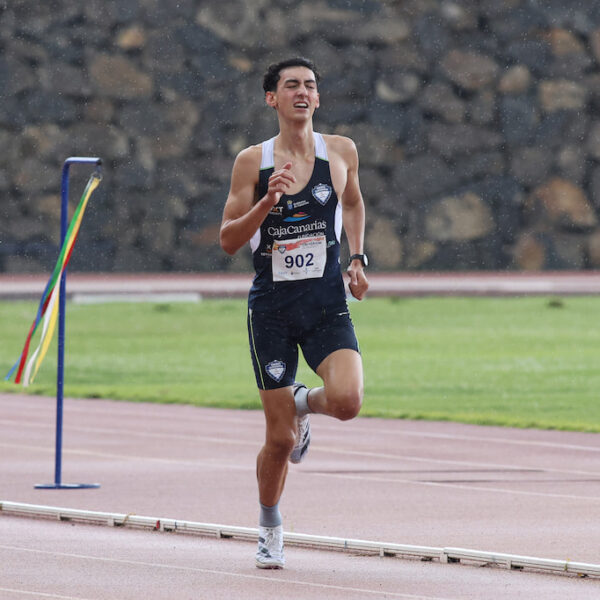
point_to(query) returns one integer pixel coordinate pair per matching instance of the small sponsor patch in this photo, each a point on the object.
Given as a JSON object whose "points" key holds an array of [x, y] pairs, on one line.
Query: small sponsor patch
{"points": [[322, 193], [275, 370], [298, 216]]}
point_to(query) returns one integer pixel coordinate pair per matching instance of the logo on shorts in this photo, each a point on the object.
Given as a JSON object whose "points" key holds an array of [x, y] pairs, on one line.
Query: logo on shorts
{"points": [[275, 370], [322, 193]]}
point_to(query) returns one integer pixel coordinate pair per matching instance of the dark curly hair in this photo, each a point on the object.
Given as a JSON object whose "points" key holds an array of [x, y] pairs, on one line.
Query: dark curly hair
{"points": [[271, 77]]}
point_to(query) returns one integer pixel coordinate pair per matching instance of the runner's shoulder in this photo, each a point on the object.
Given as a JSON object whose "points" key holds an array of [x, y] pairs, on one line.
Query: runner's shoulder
{"points": [[342, 146], [250, 155], [248, 161]]}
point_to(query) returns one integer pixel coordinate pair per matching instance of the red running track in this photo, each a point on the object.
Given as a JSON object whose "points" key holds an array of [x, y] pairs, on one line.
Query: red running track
{"points": [[533, 493]]}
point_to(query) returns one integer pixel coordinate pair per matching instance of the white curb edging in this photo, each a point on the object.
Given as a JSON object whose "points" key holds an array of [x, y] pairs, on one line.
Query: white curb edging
{"points": [[444, 555]]}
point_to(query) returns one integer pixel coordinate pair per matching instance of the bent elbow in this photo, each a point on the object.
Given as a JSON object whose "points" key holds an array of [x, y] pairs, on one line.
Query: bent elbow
{"points": [[228, 248], [226, 244]]}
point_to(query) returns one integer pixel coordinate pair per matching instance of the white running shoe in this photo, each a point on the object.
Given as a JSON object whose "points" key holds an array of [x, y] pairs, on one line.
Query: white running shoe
{"points": [[270, 548], [303, 439]]}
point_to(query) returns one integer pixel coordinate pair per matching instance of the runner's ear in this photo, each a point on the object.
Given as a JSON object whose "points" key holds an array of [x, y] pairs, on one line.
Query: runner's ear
{"points": [[270, 99]]}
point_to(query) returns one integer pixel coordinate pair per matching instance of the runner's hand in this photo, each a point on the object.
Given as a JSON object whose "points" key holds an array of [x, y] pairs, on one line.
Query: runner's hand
{"points": [[358, 283], [279, 183]]}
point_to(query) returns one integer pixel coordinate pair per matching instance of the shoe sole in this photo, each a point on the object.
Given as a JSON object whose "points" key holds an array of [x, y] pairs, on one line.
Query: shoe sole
{"points": [[269, 565]]}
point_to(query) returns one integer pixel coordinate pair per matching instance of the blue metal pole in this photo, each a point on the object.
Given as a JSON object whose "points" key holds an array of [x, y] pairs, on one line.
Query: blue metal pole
{"points": [[60, 370]]}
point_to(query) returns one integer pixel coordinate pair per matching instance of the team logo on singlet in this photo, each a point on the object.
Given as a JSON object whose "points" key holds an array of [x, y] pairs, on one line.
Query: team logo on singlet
{"points": [[275, 370], [322, 193]]}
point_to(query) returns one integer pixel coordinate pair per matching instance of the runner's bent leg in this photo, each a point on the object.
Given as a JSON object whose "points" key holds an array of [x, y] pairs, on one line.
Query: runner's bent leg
{"points": [[342, 391]]}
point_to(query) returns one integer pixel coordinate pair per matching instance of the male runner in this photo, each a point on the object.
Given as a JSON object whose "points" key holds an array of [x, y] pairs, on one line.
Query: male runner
{"points": [[289, 198]]}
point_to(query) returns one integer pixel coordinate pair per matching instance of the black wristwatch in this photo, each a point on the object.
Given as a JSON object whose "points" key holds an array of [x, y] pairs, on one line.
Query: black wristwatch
{"points": [[362, 257]]}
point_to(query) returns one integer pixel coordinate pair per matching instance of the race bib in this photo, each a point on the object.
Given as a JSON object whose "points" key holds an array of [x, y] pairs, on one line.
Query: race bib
{"points": [[302, 258]]}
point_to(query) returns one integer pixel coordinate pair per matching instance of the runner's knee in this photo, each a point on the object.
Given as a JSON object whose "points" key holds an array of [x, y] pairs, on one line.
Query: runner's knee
{"points": [[345, 404], [281, 442]]}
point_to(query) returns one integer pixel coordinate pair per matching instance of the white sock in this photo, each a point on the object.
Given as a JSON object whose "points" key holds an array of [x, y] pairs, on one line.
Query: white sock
{"points": [[301, 400]]}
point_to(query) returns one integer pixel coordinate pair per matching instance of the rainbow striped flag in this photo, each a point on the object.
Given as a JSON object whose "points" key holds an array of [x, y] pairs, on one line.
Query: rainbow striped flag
{"points": [[48, 307]]}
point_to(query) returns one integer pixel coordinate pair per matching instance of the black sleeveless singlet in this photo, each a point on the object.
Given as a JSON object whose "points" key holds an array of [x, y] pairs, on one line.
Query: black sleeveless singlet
{"points": [[315, 212]]}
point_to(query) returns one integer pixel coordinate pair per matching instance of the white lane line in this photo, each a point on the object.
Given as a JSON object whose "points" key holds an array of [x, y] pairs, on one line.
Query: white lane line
{"points": [[359, 429], [353, 428], [315, 447], [133, 432], [494, 440], [459, 463], [41, 594], [130, 457], [457, 486], [271, 579], [223, 466], [350, 427]]}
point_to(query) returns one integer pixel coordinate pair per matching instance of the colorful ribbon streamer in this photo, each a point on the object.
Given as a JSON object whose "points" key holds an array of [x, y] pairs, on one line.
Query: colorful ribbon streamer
{"points": [[48, 308]]}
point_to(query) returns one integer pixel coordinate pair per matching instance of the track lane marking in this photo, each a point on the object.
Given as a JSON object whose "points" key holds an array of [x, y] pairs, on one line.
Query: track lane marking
{"points": [[318, 447], [250, 468], [460, 487], [270, 579], [130, 457], [349, 427], [41, 594], [315, 447], [445, 461], [371, 430]]}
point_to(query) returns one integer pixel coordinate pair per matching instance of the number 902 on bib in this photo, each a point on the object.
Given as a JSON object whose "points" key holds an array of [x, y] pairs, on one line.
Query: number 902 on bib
{"points": [[301, 258]]}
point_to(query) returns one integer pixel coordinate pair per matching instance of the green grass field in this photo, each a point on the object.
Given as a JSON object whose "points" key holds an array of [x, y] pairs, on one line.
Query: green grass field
{"points": [[526, 362]]}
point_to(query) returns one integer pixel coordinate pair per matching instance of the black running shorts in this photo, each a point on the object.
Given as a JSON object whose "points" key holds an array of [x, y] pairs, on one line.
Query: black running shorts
{"points": [[275, 337]]}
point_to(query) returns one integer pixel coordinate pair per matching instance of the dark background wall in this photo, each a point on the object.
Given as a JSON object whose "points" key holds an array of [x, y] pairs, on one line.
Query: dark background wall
{"points": [[477, 123]]}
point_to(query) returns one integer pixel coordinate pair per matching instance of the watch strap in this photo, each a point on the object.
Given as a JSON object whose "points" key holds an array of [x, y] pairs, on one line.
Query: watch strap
{"points": [[360, 257]]}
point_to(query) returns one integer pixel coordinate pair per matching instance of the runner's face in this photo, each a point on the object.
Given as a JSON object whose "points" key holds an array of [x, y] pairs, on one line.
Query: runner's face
{"points": [[296, 95]]}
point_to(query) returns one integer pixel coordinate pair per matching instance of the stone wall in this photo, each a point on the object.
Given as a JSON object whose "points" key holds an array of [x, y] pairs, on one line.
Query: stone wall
{"points": [[477, 123]]}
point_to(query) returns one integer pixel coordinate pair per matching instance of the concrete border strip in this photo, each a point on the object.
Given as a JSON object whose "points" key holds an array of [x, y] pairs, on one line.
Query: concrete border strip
{"points": [[443, 555], [134, 297]]}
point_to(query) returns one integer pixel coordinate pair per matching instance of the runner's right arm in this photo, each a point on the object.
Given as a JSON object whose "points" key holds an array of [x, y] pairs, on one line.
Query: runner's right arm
{"points": [[241, 216]]}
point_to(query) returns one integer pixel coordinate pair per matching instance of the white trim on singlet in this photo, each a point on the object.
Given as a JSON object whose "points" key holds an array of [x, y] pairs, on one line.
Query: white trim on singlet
{"points": [[320, 147], [338, 222], [268, 160], [255, 241], [268, 151]]}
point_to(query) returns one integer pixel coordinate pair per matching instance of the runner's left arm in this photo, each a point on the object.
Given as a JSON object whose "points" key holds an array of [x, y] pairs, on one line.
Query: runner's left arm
{"points": [[354, 222]]}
